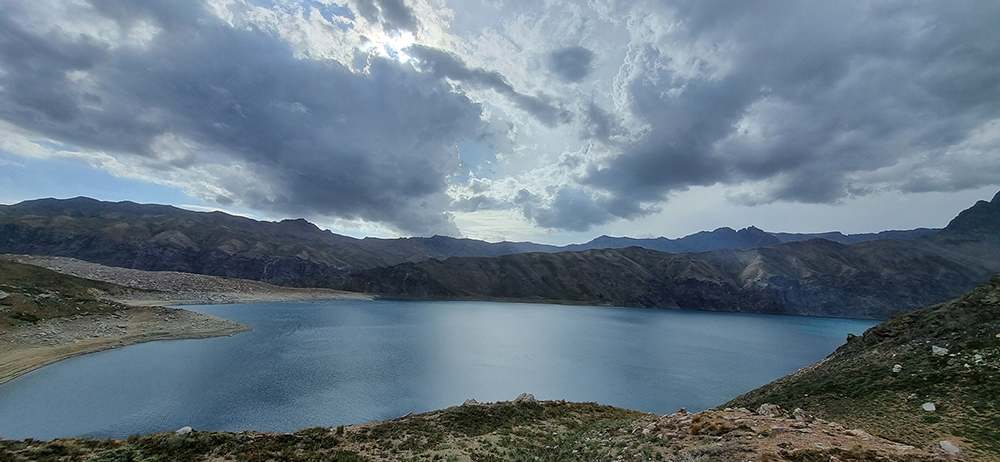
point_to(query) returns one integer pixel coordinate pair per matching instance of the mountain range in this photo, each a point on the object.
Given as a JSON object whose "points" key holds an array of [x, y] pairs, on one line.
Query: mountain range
{"points": [[874, 279], [830, 274], [163, 237]]}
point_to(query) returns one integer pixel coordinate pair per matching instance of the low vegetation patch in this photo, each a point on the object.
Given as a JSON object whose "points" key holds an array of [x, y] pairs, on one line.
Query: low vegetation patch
{"points": [[29, 294]]}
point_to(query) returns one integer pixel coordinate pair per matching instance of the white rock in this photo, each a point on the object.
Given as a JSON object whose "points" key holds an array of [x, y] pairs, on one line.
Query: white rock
{"points": [[769, 409], [525, 398], [470, 402], [859, 433], [3, 295], [183, 430], [938, 351], [929, 407], [950, 448], [897, 368]]}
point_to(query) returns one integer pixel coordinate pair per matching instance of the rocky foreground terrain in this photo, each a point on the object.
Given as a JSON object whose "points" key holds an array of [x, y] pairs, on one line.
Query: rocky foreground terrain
{"points": [[522, 430]]}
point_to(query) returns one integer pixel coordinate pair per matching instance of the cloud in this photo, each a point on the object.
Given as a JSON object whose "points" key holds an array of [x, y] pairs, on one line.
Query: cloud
{"points": [[597, 112], [571, 64], [314, 137], [393, 15], [448, 65], [811, 103]]}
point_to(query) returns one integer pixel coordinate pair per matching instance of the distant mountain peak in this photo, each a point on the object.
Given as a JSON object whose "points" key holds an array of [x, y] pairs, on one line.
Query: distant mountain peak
{"points": [[983, 217]]}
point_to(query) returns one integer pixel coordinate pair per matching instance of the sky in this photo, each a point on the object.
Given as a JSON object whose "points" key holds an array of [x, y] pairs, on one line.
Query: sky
{"points": [[550, 121]]}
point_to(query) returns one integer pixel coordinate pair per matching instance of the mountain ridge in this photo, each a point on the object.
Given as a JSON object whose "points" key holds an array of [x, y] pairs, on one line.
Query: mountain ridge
{"points": [[817, 277], [164, 237]]}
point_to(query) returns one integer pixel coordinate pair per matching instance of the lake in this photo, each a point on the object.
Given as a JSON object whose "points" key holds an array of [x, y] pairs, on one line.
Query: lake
{"points": [[346, 362]]}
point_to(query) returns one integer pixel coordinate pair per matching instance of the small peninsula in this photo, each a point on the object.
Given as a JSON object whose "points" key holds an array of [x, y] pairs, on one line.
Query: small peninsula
{"points": [[75, 308]]}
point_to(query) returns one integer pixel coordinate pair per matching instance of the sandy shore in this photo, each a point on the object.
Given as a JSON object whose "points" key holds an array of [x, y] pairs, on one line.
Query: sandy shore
{"points": [[218, 298], [144, 315], [26, 348]]}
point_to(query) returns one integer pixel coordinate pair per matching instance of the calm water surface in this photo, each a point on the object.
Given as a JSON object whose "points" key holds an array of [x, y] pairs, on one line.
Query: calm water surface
{"points": [[346, 362]]}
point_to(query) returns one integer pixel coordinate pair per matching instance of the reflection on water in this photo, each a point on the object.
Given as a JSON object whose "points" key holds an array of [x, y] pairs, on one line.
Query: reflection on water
{"points": [[345, 362]]}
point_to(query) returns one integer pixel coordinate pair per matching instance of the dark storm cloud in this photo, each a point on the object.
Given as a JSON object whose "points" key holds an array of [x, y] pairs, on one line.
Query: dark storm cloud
{"points": [[324, 140], [444, 64], [393, 15], [571, 64], [599, 124], [575, 209], [809, 99]]}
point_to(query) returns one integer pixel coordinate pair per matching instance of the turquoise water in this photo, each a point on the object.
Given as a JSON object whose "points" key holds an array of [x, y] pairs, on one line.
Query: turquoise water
{"points": [[346, 362]]}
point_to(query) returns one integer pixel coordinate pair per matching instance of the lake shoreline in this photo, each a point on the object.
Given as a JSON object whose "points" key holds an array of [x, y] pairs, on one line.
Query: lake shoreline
{"points": [[141, 315], [27, 348]]}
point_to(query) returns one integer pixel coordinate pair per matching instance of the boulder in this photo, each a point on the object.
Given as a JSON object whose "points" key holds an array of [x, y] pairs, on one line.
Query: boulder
{"points": [[769, 409], [929, 407], [470, 402], [897, 368], [525, 398], [802, 415], [184, 430], [939, 351], [950, 448]]}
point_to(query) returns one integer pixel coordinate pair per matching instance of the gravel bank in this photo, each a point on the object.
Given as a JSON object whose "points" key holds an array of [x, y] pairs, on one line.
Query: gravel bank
{"points": [[29, 347], [176, 288]]}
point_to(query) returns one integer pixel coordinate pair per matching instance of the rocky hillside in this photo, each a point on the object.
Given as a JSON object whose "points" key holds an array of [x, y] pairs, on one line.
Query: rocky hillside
{"points": [[919, 378], [875, 279], [160, 237], [819, 277]]}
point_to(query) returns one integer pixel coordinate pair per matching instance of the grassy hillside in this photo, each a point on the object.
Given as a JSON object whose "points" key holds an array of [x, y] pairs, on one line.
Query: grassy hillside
{"points": [[30, 294], [860, 384]]}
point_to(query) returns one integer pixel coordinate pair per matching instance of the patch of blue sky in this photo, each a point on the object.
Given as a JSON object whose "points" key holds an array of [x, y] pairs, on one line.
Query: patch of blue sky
{"points": [[24, 178], [475, 157], [333, 11]]}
